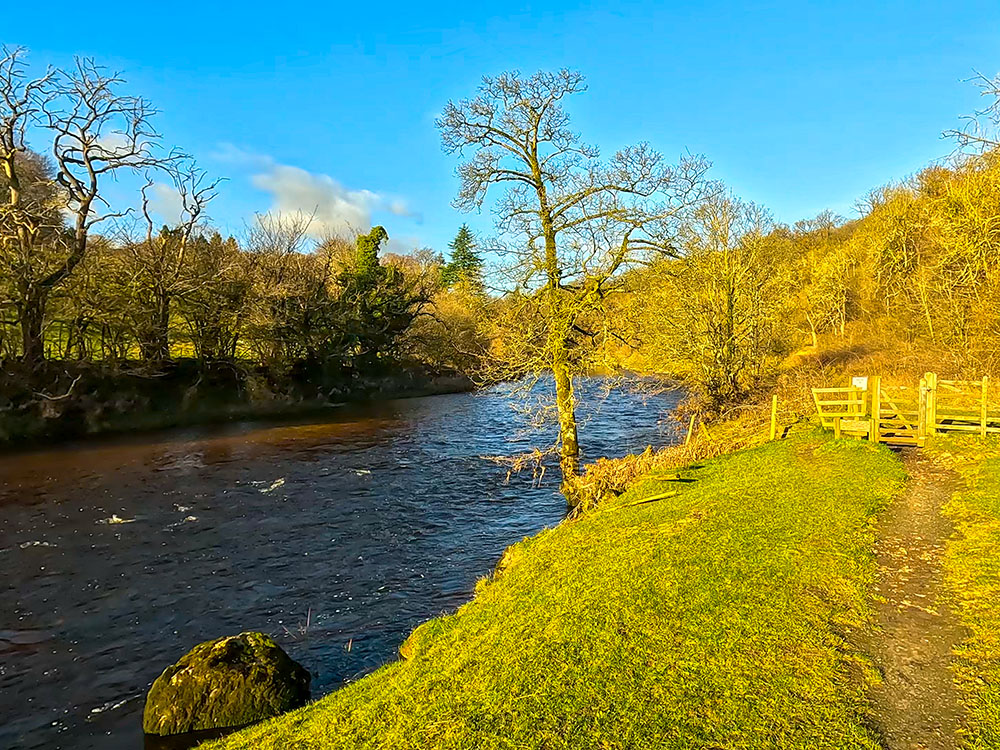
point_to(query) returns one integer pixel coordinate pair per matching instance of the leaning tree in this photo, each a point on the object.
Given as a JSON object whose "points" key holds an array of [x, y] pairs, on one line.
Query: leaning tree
{"points": [[569, 223]]}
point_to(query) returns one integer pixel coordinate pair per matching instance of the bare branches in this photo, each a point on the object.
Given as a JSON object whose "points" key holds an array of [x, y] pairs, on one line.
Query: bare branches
{"points": [[278, 234], [194, 192], [981, 127], [21, 98], [606, 214], [95, 133], [513, 118], [67, 394]]}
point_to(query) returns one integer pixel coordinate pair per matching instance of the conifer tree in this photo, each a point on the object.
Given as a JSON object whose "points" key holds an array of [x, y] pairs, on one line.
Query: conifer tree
{"points": [[465, 263]]}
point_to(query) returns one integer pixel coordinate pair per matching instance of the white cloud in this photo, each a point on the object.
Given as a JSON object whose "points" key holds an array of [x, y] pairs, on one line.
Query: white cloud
{"points": [[231, 154], [166, 202], [335, 208], [400, 207]]}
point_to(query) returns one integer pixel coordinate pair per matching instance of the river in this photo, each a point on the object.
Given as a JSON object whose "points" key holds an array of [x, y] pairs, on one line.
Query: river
{"points": [[337, 538]]}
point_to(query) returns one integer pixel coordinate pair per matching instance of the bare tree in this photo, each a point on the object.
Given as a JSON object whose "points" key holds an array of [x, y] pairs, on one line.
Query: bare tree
{"points": [[570, 224], [95, 133], [159, 260], [275, 247], [729, 319]]}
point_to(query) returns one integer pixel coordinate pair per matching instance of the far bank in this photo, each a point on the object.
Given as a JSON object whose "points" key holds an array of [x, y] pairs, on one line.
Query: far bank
{"points": [[64, 401]]}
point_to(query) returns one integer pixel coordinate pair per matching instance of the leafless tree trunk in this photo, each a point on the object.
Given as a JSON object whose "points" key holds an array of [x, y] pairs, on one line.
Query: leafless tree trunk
{"points": [[572, 223]]}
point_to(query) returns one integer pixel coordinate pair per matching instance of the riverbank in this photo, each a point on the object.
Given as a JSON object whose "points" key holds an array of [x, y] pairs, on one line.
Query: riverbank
{"points": [[722, 613], [363, 524], [68, 401]]}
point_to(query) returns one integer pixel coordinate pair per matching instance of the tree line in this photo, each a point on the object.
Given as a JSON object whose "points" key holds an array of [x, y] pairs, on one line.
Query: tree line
{"points": [[631, 262]]}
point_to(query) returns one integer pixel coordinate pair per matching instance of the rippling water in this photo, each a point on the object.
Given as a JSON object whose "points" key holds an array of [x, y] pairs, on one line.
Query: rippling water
{"points": [[117, 557]]}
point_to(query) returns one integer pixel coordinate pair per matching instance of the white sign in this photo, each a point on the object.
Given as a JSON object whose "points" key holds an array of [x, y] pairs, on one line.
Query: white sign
{"points": [[860, 382]]}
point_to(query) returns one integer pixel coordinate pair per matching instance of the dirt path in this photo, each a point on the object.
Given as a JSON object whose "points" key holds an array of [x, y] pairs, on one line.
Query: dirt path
{"points": [[917, 705]]}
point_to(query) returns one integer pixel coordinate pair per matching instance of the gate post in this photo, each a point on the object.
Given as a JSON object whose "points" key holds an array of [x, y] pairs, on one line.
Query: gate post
{"points": [[922, 413], [931, 378], [982, 408], [876, 389]]}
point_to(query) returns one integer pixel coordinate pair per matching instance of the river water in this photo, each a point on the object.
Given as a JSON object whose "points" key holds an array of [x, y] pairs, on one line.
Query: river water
{"points": [[339, 537]]}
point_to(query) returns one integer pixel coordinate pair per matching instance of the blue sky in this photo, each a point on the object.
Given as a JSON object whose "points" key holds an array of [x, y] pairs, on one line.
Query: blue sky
{"points": [[800, 106]]}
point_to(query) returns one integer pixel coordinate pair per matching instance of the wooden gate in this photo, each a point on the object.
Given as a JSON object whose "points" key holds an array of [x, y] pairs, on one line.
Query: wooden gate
{"points": [[906, 414], [899, 413], [843, 410]]}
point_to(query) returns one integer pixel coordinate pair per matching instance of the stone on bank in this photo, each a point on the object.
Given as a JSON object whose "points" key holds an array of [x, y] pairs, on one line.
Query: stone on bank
{"points": [[228, 682]]}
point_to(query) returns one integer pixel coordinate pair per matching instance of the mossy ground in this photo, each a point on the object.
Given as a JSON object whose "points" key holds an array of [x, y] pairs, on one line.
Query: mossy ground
{"points": [[714, 618], [972, 569]]}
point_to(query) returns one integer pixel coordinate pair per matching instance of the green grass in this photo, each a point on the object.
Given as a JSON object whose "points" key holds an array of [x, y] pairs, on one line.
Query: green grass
{"points": [[972, 570], [713, 619]]}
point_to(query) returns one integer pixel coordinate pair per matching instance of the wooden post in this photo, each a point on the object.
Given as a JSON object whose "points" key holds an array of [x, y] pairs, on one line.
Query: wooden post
{"points": [[931, 378], [687, 440], [836, 427], [875, 385], [922, 412], [774, 415], [982, 408]]}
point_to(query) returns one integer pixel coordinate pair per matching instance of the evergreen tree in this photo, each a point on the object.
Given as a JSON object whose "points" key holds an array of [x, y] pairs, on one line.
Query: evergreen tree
{"points": [[366, 259], [377, 305], [465, 263]]}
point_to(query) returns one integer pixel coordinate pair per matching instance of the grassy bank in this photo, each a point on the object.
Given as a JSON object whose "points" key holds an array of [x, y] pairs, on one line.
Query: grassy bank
{"points": [[716, 617], [972, 568]]}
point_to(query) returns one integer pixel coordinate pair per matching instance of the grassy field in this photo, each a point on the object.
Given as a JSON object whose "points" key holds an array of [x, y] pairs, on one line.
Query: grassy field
{"points": [[715, 618], [972, 567]]}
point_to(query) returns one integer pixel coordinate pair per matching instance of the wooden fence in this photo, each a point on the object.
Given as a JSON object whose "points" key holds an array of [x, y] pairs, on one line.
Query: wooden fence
{"points": [[905, 414], [844, 410]]}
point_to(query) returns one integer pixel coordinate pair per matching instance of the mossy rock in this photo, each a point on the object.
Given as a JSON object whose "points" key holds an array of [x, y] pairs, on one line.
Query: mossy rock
{"points": [[510, 556], [228, 682], [423, 635]]}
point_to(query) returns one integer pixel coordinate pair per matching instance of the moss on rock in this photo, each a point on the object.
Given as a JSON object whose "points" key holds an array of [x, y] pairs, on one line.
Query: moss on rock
{"points": [[422, 635], [228, 682]]}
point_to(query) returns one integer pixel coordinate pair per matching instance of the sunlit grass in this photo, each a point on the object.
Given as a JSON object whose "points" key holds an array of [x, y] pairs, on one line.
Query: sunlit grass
{"points": [[715, 618], [972, 567]]}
